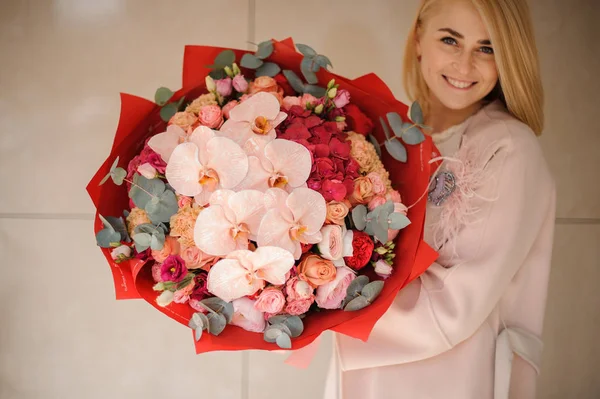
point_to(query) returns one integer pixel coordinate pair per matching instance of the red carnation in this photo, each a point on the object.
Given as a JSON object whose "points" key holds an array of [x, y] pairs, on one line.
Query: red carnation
{"points": [[357, 121], [362, 247]]}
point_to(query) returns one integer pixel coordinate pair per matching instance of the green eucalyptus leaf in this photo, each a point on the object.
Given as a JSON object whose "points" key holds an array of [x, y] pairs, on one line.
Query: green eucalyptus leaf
{"points": [[416, 113], [225, 58], [160, 209], [106, 223], [294, 80], [306, 50], [217, 74], [148, 228], [157, 242], [118, 175], [386, 129], [376, 145], [140, 195], [413, 136], [115, 163], [105, 179], [216, 304], [315, 90], [268, 69], [119, 225], [227, 311], [250, 61], [284, 341], [372, 290], [167, 111], [359, 215], [356, 286], [309, 74], [106, 236], [142, 241], [358, 303], [265, 49], [396, 150], [380, 229], [273, 331], [323, 61], [196, 320], [294, 323], [395, 122], [162, 95], [398, 221], [217, 323], [198, 333]]}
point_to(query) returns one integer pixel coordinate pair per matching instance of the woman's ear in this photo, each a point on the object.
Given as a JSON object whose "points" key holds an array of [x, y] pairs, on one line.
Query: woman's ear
{"points": [[418, 44]]}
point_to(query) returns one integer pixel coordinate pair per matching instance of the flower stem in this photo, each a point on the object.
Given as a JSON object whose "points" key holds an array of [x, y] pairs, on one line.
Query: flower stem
{"points": [[141, 188]]}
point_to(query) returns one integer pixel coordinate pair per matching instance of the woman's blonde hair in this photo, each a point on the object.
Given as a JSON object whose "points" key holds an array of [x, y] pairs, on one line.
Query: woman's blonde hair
{"points": [[511, 32]]}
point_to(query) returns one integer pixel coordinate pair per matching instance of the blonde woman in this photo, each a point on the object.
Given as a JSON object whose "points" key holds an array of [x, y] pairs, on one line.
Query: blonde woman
{"points": [[470, 327]]}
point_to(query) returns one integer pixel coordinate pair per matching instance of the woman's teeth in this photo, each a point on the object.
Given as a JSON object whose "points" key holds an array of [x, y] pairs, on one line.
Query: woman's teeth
{"points": [[458, 84]]}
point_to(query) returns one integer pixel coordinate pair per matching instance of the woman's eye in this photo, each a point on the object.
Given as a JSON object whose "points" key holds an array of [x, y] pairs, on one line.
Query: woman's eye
{"points": [[449, 40], [487, 50]]}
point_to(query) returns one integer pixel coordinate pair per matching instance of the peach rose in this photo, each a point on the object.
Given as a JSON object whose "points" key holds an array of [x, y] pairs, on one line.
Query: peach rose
{"points": [[184, 120], [271, 300], [332, 245], [211, 116], [228, 107], [136, 217], [194, 258], [336, 212], [315, 270], [331, 295], [377, 182], [263, 83], [171, 247], [363, 190]]}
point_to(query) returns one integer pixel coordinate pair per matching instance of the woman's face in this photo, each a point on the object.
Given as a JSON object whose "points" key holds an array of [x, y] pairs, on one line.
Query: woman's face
{"points": [[457, 57]]}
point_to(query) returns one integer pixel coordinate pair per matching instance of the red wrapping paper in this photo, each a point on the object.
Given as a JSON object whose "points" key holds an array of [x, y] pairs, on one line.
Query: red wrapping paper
{"points": [[140, 119]]}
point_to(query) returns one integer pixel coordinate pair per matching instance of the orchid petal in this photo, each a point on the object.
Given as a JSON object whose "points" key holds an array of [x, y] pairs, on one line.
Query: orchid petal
{"points": [[248, 207], [257, 177], [256, 143], [274, 231], [228, 280], [309, 208], [238, 131], [228, 160], [203, 197], [221, 198], [278, 119], [314, 238], [291, 159], [183, 170], [272, 263], [277, 198], [201, 136], [164, 143], [212, 232], [260, 104]]}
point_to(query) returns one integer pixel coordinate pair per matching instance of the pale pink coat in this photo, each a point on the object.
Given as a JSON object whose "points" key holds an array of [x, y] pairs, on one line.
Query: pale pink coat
{"points": [[452, 333]]}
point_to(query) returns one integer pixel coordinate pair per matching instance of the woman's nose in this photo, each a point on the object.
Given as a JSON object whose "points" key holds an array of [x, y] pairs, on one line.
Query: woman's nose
{"points": [[464, 63]]}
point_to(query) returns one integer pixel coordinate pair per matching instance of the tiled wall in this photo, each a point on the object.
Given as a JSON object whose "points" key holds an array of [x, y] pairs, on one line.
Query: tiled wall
{"points": [[62, 64]]}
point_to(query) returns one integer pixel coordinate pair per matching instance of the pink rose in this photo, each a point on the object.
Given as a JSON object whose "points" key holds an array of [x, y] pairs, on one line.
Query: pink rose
{"points": [[228, 107], [271, 300], [171, 247], [332, 245], [383, 269], [336, 212], [223, 86], [147, 170], [377, 183], [240, 84], [246, 316], [393, 195], [297, 289], [307, 99], [298, 307], [342, 98], [376, 201], [183, 295], [196, 259], [289, 102], [183, 201], [121, 253], [331, 295], [211, 116]]}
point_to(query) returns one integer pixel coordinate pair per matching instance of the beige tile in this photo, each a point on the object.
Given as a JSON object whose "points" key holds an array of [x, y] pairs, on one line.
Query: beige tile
{"points": [[64, 63], [572, 326], [269, 377], [63, 335], [359, 37], [566, 33]]}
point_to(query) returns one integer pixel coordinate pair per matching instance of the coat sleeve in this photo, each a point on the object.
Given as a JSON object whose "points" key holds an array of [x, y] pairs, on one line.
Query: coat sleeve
{"points": [[445, 306]]}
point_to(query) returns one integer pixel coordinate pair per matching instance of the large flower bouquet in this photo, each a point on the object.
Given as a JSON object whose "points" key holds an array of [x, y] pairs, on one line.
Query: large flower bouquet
{"points": [[262, 197]]}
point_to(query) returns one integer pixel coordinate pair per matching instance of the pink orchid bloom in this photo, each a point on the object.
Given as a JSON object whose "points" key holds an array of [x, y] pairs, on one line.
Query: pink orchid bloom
{"points": [[252, 123], [245, 272], [206, 163], [292, 219], [229, 222], [282, 164], [164, 143]]}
